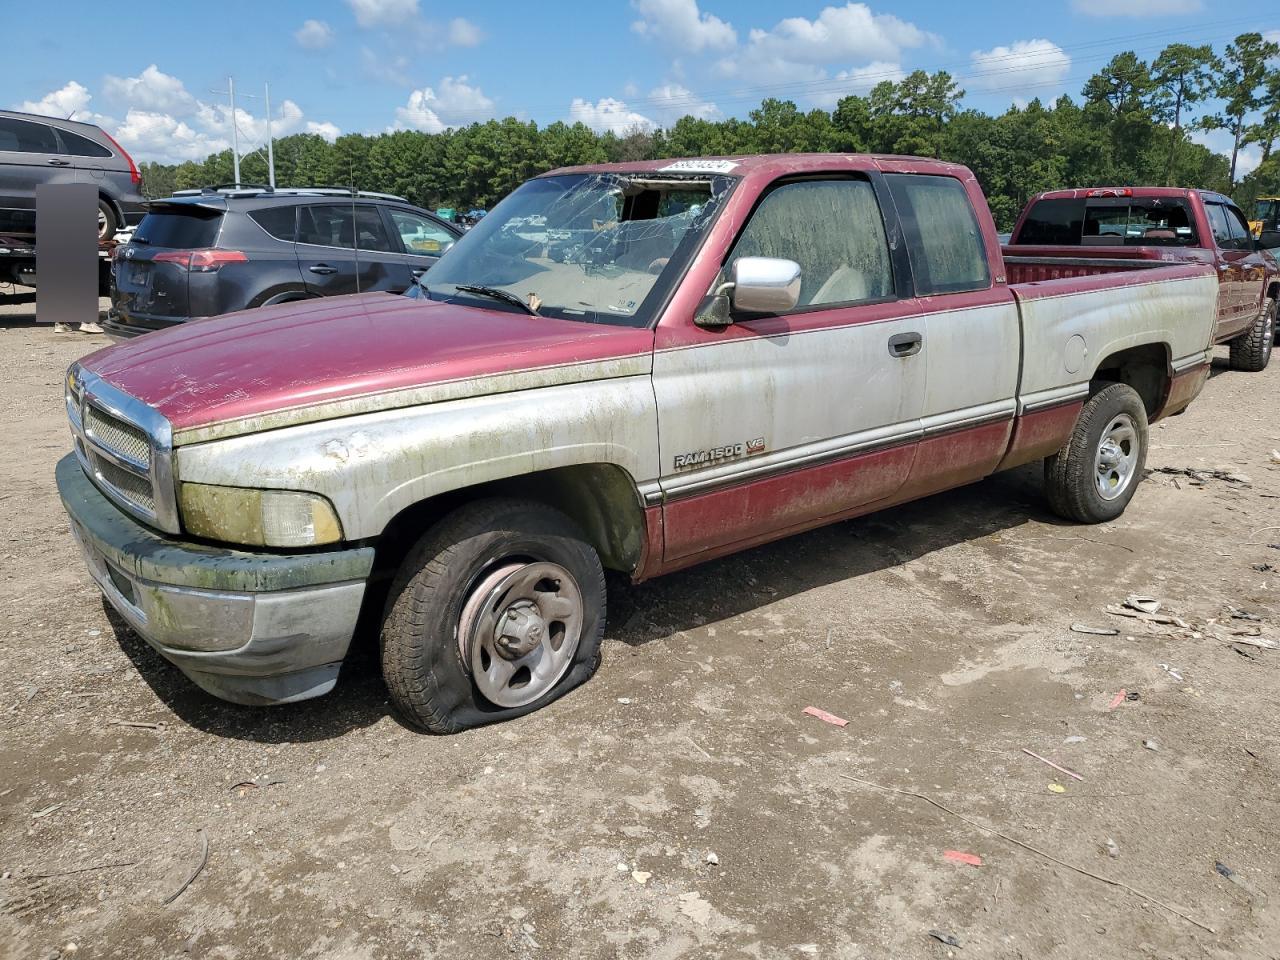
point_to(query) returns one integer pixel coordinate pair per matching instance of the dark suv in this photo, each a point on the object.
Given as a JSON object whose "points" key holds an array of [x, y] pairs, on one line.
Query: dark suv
{"points": [[202, 253], [36, 150]]}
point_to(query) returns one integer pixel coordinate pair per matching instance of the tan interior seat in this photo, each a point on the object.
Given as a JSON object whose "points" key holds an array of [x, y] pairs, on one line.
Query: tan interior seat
{"points": [[846, 284]]}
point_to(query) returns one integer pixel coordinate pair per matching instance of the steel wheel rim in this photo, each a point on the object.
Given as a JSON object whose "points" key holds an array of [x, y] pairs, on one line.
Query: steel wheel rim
{"points": [[519, 630], [102, 225], [1116, 459]]}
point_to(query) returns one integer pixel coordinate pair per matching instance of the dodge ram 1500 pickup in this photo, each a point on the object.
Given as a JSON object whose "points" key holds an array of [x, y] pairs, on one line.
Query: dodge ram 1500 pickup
{"points": [[635, 367], [1080, 233]]}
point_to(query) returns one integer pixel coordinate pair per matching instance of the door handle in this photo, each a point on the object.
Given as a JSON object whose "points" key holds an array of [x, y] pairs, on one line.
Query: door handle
{"points": [[418, 271], [905, 344], [323, 269], [58, 163]]}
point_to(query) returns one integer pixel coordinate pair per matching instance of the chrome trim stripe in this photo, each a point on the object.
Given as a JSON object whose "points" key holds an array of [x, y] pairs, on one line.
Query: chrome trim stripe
{"points": [[1124, 264], [1053, 397], [1183, 364], [970, 417]]}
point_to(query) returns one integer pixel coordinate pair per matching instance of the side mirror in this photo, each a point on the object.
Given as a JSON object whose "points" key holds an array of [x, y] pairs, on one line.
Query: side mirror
{"points": [[1269, 239], [755, 285]]}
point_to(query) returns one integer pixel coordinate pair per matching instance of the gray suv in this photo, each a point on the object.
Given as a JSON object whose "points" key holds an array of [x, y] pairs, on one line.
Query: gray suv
{"points": [[36, 150], [203, 253]]}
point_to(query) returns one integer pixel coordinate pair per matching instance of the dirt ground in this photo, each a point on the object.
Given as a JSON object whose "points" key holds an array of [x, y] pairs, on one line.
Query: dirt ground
{"points": [[681, 805]]}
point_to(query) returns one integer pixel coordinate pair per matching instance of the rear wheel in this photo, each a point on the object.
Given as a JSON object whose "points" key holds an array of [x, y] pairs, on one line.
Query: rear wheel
{"points": [[108, 222], [497, 611], [1094, 476], [1251, 351]]}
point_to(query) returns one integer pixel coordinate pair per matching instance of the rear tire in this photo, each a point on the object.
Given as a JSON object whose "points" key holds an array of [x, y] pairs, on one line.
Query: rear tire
{"points": [[1094, 476], [1251, 351], [108, 222], [497, 611]]}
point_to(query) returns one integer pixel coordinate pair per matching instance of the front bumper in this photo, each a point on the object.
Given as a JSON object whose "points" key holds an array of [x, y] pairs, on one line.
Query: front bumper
{"points": [[256, 628]]}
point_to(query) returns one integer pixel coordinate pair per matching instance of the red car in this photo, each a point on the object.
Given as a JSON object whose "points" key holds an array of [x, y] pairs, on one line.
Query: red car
{"points": [[1158, 225]]}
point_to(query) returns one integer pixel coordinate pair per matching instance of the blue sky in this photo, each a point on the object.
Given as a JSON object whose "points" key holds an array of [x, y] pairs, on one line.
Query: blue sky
{"points": [[147, 73]]}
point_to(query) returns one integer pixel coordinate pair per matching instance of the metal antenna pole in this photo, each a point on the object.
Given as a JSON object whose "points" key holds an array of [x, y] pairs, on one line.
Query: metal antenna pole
{"points": [[235, 137], [271, 153]]}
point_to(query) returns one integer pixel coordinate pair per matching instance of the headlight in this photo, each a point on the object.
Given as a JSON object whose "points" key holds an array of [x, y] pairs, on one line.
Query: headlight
{"points": [[263, 518]]}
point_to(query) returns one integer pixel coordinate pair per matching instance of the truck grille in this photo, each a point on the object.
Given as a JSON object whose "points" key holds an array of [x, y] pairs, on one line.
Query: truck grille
{"points": [[124, 447]]}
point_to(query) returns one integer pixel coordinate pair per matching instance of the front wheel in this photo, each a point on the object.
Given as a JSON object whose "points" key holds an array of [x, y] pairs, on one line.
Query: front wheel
{"points": [[1094, 476], [497, 611], [1251, 351]]}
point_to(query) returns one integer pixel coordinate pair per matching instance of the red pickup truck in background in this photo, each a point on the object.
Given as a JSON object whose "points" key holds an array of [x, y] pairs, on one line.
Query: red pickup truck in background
{"points": [[1117, 226]]}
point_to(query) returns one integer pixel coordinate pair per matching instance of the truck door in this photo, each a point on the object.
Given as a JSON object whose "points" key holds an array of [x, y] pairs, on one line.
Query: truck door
{"points": [[345, 248], [972, 330], [1253, 267], [1232, 257], [780, 422]]}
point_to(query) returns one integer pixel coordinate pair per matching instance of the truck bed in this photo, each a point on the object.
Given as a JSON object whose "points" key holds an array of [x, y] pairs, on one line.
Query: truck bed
{"points": [[1030, 264]]}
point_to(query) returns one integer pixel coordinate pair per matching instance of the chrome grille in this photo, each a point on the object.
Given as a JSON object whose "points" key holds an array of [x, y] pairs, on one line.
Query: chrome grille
{"points": [[135, 489], [117, 436], [125, 447]]}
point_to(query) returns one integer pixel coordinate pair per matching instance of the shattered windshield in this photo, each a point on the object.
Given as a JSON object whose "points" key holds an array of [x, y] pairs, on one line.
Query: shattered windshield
{"points": [[603, 248]]}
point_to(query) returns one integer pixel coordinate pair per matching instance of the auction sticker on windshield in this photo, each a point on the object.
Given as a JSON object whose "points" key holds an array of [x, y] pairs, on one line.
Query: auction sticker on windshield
{"points": [[699, 166]]}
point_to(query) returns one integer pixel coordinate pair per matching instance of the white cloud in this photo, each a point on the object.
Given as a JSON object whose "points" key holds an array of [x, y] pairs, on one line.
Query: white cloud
{"points": [[383, 13], [63, 102], [671, 101], [1022, 65], [851, 32], [464, 33], [327, 130], [150, 90], [681, 24], [856, 80], [608, 114], [1136, 8], [1220, 141], [455, 104], [314, 35]]}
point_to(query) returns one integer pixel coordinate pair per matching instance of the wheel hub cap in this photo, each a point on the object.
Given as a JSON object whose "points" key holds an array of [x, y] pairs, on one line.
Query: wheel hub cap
{"points": [[1117, 458], [519, 630]]}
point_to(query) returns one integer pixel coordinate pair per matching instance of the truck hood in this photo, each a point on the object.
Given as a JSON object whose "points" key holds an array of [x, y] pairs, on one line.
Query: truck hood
{"points": [[327, 357]]}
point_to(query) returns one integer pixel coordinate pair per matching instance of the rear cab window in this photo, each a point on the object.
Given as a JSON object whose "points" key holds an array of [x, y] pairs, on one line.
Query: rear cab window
{"points": [[180, 226], [834, 230], [1109, 222], [944, 237]]}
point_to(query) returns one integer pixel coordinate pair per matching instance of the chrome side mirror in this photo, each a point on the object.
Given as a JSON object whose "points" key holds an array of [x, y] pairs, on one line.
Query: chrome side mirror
{"points": [[765, 285], [755, 285]]}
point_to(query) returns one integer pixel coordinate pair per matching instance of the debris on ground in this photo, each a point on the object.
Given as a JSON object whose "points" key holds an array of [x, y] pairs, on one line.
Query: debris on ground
{"points": [[1263, 567], [1075, 738], [41, 814], [1244, 615], [1118, 699], [1142, 604], [1096, 631], [1170, 671], [825, 717], [1113, 849], [204, 859], [959, 856], [257, 783], [1137, 614], [946, 938], [712, 858], [641, 876], [694, 907], [1238, 880], [1060, 769], [1057, 788], [1151, 745], [1199, 477]]}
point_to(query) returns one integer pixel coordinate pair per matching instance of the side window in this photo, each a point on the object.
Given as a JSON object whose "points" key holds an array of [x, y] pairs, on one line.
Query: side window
{"points": [[1241, 239], [332, 225], [277, 221], [77, 146], [1218, 225], [943, 237], [420, 235], [834, 230], [23, 136]]}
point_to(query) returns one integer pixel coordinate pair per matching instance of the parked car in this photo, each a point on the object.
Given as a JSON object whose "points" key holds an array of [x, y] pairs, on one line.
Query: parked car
{"points": [[36, 150], [735, 352], [207, 252], [1079, 233]]}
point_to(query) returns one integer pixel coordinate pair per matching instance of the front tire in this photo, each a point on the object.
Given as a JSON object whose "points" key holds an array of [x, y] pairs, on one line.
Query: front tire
{"points": [[1251, 351], [497, 611], [1094, 476]]}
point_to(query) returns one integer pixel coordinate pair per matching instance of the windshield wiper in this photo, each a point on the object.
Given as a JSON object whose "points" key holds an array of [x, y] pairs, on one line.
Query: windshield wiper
{"points": [[497, 294]]}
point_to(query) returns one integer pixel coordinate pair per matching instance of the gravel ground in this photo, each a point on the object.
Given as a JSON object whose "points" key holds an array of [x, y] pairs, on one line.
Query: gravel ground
{"points": [[681, 804]]}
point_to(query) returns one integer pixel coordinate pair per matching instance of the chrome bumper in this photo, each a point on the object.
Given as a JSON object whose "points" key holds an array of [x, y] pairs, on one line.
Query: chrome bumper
{"points": [[257, 628]]}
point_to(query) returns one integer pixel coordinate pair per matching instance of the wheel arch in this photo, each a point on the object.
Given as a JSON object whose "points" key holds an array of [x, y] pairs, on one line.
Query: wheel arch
{"points": [[1145, 367], [601, 498]]}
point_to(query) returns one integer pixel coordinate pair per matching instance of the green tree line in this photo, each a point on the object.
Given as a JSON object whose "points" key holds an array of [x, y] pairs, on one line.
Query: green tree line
{"points": [[1131, 125]]}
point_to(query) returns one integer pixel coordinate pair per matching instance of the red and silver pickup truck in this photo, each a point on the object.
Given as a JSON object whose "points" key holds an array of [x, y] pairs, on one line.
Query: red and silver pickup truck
{"points": [[635, 367], [1124, 228]]}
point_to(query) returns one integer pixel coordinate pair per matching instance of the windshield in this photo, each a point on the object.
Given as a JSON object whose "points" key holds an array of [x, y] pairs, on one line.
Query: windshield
{"points": [[603, 248], [1267, 211]]}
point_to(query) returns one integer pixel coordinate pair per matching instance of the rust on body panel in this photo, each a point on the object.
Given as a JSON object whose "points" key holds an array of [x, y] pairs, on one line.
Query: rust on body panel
{"points": [[1183, 388], [1040, 434]]}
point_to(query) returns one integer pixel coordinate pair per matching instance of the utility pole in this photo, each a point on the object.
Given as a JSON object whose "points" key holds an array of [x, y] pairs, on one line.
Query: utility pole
{"points": [[271, 153], [235, 133]]}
